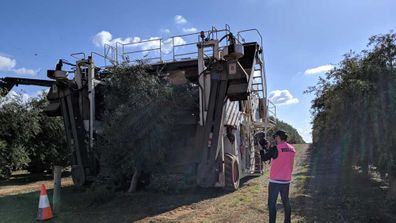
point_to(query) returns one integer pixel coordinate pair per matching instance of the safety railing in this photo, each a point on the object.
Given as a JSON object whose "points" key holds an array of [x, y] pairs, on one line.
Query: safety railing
{"points": [[175, 54], [160, 50], [107, 61], [212, 34], [76, 55], [173, 49], [147, 47], [109, 54]]}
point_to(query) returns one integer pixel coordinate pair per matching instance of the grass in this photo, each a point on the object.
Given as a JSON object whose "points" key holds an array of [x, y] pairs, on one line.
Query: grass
{"points": [[248, 204], [317, 195]]}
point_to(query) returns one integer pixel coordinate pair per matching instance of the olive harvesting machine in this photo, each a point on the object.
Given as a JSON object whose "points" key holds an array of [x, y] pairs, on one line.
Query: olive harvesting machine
{"points": [[218, 145]]}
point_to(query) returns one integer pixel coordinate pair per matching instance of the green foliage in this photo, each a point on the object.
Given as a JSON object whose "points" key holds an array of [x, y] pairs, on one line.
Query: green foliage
{"points": [[15, 131], [28, 138], [354, 109], [48, 146], [138, 123], [293, 136]]}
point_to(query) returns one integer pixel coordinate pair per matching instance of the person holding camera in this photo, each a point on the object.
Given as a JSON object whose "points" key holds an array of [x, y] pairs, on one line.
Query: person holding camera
{"points": [[282, 155]]}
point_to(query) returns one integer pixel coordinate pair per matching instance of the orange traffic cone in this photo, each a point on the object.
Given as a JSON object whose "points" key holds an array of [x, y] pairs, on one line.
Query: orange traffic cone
{"points": [[44, 211]]}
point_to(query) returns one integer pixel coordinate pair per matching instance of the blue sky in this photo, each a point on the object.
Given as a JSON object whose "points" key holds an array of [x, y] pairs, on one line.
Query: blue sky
{"points": [[298, 35]]}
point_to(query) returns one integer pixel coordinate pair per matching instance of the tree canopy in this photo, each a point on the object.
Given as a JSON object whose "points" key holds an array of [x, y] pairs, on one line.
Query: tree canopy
{"points": [[355, 108], [293, 136], [139, 120], [28, 138]]}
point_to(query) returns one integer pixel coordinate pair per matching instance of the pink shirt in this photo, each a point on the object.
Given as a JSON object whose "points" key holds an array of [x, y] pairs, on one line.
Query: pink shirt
{"points": [[282, 166]]}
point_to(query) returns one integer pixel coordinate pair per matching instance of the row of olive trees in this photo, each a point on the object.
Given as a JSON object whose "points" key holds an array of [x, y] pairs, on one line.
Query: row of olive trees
{"points": [[28, 138], [355, 109], [140, 110], [293, 136]]}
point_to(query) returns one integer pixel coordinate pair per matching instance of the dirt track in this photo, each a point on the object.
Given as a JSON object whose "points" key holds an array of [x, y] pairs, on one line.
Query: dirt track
{"points": [[248, 204]]}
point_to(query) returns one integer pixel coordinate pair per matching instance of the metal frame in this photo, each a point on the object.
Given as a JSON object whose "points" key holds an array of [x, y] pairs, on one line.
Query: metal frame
{"points": [[215, 81]]}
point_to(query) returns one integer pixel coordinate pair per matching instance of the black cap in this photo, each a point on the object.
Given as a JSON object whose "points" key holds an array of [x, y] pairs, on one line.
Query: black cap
{"points": [[282, 134]]}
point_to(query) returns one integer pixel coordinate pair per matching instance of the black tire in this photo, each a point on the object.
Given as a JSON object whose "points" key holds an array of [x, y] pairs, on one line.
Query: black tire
{"points": [[231, 172]]}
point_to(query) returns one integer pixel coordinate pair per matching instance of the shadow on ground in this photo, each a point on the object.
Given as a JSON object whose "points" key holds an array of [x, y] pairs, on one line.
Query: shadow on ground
{"points": [[329, 193], [80, 205], [25, 178]]}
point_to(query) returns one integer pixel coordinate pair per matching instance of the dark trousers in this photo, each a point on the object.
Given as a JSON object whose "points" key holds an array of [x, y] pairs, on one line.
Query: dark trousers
{"points": [[273, 190]]}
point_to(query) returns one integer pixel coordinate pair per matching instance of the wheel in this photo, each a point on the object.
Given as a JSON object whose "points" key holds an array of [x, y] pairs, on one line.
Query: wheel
{"points": [[231, 172]]}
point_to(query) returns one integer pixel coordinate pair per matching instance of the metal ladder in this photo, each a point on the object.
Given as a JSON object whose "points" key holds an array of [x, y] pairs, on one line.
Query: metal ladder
{"points": [[260, 82]]}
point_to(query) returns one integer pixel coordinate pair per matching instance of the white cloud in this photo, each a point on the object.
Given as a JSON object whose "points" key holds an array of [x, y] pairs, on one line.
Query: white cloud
{"points": [[102, 38], [165, 30], [282, 97], [105, 37], [167, 44], [318, 70], [7, 63], [306, 134], [152, 43], [25, 71], [179, 41], [190, 30], [180, 19]]}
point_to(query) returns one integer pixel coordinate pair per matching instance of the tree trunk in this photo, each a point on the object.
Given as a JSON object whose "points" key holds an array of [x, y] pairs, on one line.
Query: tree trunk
{"points": [[57, 188], [392, 187], [134, 181]]}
